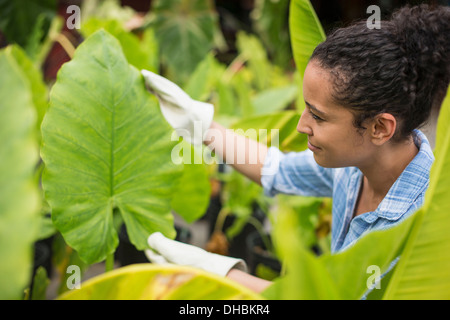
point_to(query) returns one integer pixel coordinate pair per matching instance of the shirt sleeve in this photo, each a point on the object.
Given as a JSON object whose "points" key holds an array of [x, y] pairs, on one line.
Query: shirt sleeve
{"points": [[295, 173]]}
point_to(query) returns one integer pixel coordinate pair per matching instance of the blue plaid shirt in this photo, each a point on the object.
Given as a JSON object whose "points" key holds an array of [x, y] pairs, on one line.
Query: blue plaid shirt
{"points": [[298, 173]]}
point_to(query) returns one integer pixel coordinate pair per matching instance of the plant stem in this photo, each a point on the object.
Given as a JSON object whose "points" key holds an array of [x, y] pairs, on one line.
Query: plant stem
{"points": [[223, 213], [259, 227], [66, 44], [109, 263]]}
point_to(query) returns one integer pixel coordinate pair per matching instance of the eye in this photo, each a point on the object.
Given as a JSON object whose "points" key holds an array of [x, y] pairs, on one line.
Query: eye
{"points": [[315, 117]]}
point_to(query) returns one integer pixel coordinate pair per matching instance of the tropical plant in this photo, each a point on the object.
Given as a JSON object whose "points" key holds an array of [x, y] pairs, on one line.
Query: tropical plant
{"points": [[27, 23], [19, 196], [306, 32], [271, 24], [107, 153], [153, 282], [187, 30]]}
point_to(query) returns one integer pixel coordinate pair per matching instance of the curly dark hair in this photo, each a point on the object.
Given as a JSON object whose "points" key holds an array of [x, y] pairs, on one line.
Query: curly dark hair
{"points": [[403, 68]]}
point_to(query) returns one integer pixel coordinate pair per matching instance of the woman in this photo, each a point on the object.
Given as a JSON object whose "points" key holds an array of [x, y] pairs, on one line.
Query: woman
{"points": [[366, 92]]}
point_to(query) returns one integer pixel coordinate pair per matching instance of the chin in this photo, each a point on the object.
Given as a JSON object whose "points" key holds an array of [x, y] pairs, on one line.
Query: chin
{"points": [[327, 162]]}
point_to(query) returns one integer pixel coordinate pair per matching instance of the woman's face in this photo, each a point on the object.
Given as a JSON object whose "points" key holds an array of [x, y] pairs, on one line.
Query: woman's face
{"points": [[332, 136]]}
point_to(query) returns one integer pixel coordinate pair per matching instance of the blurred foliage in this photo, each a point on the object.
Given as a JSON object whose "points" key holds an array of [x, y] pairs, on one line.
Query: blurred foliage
{"points": [[270, 21], [19, 195], [186, 30], [26, 22]]}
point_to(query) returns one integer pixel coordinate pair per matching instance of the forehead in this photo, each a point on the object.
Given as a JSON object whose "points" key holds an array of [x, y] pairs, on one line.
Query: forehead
{"points": [[318, 91]]}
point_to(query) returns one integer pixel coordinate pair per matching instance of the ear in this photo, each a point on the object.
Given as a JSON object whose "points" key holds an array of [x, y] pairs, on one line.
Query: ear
{"points": [[383, 128]]}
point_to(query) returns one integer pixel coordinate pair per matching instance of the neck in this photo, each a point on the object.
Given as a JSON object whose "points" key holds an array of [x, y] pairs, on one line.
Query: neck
{"points": [[386, 166]]}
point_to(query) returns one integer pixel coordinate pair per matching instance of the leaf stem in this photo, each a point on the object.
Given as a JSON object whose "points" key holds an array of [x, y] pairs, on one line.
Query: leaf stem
{"points": [[109, 262], [223, 213]]}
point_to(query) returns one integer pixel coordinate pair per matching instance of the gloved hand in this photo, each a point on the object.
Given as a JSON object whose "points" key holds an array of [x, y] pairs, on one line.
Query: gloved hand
{"points": [[171, 251], [190, 118]]}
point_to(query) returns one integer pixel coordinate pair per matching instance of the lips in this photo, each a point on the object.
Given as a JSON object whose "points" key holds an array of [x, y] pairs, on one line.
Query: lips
{"points": [[312, 147]]}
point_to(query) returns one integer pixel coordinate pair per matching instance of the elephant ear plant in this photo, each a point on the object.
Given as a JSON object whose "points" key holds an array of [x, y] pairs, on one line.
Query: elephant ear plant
{"points": [[107, 153]]}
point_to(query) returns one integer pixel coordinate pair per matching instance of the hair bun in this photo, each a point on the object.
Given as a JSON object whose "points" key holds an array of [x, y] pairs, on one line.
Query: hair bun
{"points": [[423, 35], [424, 30]]}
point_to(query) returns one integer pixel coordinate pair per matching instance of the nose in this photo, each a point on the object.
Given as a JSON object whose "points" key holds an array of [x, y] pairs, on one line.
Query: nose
{"points": [[303, 126]]}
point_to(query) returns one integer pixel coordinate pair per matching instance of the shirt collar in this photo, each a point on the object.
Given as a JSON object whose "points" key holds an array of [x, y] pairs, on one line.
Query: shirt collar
{"points": [[410, 184]]}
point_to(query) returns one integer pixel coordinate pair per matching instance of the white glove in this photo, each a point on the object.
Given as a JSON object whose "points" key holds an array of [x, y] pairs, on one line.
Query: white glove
{"points": [[190, 118], [171, 251]]}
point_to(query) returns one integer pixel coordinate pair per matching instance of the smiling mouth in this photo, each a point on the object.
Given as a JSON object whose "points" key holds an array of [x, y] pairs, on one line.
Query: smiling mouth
{"points": [[312, 147]]}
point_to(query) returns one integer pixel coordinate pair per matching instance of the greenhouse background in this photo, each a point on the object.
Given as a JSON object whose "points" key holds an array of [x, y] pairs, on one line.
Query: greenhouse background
{"points": [[236, 55]]}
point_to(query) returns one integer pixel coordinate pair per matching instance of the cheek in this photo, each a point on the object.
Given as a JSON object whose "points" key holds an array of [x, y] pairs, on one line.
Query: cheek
{"points": [[336, 153]]}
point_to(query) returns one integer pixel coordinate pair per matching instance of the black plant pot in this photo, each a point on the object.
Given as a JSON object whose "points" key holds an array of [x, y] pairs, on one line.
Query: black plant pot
{"points": [[237, 246], [258, 255], [43, 255], [127, 253]]}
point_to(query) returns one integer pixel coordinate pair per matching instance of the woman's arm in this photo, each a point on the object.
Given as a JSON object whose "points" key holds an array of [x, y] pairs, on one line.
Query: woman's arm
{"points": [[247, 280], [245, 155]]}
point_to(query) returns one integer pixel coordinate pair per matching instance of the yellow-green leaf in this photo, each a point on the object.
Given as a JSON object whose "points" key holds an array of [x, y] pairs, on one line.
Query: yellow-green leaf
{"points": [[156, 282]]}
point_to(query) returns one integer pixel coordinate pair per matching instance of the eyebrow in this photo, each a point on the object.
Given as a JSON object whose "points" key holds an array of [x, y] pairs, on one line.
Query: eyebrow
{"points": [[319, 113]]}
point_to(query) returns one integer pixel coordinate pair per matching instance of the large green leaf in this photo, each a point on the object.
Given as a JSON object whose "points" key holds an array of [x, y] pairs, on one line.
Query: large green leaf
{"points": [[107, 149], [191, 199], [442, 125], [192, 194], [274, 99], [423, 270], [155, 282], [349, 269], [141, 53], [19, 198], [306, 32], [307, 277]]}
